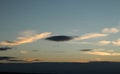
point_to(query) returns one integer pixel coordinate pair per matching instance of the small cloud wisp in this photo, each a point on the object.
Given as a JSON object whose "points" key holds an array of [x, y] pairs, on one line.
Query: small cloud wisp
{"points": [[89, 36], [110, 30]]}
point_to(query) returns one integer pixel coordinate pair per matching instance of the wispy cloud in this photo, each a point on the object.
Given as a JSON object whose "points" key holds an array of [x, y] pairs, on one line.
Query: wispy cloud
{"points": [[27, 33], [75, 42], [104, 42], [6, 58], [32, 60], [110, 30], [117, 42], [101, 53], [23, 51], [82, 61], [28, 39], [5, 48], [91, 35], [15, 60], [98, 59]]}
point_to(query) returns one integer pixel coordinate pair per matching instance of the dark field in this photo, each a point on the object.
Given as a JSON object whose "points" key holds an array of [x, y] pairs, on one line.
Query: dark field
{"points": [[61, 68]]}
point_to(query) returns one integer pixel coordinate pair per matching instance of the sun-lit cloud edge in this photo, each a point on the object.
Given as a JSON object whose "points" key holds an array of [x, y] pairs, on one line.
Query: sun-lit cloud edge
{"points": [[110, 30], [23, 40], [117, 42], [90, 35], [101, 53], [104, 42], [30, 60], [23, 52]]}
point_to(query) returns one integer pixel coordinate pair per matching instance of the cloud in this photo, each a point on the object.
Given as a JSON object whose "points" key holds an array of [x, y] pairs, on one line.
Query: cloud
{"points": [[23, 52], [11, 60], [32, 60], [82, 61], [35, 50], [117, 42], [98, 59], [5, 48], [59, 38], [27, 33], [101, 53], [110, 30], [104, 42], [99, 49], [86, 49], [89, 36], [79, 43], [22, 40], [6, 58]]}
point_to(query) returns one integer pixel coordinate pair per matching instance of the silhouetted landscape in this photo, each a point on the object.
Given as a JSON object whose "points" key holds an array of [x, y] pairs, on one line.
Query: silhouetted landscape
{"points": [[61, 68]]}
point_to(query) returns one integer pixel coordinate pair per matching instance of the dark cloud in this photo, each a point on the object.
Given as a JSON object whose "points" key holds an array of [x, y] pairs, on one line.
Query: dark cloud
{"points": [[15, 60], [86, 50], [37, 60], [6, 58], [10, 41], [59, 51], [59, 38], [5, 48], [35, 50]]}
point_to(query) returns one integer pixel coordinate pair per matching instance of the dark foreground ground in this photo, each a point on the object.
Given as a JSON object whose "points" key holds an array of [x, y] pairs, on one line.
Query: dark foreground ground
{"points": [[60, 68]]}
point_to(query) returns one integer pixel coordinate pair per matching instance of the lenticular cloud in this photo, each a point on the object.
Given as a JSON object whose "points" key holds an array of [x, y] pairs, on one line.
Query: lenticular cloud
{"points": [[59, 38]]}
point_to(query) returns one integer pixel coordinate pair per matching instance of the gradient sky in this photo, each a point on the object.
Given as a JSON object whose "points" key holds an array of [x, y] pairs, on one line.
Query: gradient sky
{"points": [[94, 23]]}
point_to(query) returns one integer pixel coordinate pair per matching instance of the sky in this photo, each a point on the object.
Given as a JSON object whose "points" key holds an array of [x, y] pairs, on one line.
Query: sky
{"points": [[86, 30]]}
